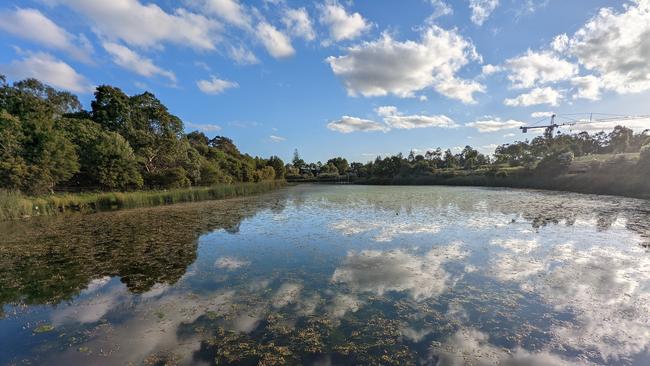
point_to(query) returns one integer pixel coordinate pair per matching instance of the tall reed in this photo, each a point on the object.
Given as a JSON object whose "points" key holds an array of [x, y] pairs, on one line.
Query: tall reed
{"points": [[14, 205]]}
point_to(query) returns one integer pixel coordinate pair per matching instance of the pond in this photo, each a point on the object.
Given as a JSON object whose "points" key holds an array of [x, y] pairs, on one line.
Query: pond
{"points": [[317, 274]]}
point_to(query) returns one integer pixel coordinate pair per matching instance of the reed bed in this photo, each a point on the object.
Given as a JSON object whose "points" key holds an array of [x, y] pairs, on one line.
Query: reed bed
{"points": [[14, 205]]}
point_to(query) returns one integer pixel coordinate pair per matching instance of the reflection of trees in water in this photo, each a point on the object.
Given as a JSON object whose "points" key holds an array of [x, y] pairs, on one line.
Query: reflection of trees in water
{"points": [[540, 208], [45, 261]]}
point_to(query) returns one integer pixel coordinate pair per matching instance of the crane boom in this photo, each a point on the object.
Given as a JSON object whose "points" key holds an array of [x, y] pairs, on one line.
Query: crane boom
{"points": [[553, 125]]}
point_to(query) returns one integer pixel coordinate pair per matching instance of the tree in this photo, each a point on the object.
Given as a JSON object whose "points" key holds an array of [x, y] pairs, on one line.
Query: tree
{"points": [[469, 157], [341, 164], [112, 110], [450, 159], [297, 161], [113, 164], [278, 166], [620, 139]]}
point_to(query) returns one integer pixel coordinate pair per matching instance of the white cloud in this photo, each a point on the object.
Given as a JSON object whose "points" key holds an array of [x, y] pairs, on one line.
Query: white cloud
{"points": [[395, 119], [349, 124], [638, 125], [342, 26], [588, 87], [495, 124], [541, 114], [203, 127], [242, 55], [230, 11], [481, 10], [387, 66], [616, 47], [32, 25], [49, 70], [130, 60], [275, 138], [533, 68], [560, 43], [276, 43], [298, 23], [440, 9], [536, 96], [490, 69], [215, 85], [146, 25]]}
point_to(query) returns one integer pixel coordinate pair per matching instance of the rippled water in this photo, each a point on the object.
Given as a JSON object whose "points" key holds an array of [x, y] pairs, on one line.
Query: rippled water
{"points": [[334, 275]]}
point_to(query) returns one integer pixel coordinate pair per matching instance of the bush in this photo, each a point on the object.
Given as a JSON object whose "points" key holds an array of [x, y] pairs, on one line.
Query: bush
{"points": [[555, 164], [644, 158]]}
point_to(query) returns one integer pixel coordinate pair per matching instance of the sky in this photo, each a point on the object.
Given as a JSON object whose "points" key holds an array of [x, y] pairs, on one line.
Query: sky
{"points": [[354, 79]]}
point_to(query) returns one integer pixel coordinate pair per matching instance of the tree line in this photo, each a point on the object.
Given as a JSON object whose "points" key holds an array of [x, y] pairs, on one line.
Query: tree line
{"points": [[49, 142], [548, 154]]}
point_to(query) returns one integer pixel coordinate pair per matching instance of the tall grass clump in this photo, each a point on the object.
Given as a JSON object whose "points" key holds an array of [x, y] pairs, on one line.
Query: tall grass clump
{"points": [[14, 205]]}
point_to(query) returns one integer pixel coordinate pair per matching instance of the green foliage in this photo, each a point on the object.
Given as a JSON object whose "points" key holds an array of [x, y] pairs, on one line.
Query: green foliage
{"points": [[14, 205], [48, 142], [112, 163], [278, 166], [644, 158]]}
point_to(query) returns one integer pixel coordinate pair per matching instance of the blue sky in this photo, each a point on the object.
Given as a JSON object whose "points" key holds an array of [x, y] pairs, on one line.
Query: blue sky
{"points": [[344, 78]]}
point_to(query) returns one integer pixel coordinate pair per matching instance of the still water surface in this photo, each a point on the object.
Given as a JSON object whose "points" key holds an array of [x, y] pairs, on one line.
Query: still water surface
{"points": [[334, 275]]}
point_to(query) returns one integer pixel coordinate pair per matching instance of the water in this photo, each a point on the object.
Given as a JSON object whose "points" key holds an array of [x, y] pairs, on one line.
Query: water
{"points": [[334, 275]]}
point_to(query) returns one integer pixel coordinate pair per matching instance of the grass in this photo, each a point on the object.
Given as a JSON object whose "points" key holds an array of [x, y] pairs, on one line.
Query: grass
{"points": [[14, 205]]}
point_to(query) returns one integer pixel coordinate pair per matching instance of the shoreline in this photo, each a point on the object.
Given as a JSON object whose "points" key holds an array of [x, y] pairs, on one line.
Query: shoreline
{"points": [[14, 205], [615, 186], [632, 186]]}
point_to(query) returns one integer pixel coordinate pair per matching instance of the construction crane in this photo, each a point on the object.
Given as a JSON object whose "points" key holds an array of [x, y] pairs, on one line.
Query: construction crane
{"points": [[550, 128]]}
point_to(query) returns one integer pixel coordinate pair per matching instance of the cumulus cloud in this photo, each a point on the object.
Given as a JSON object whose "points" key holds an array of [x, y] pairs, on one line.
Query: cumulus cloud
{"points": [[395, 119], [546, 95], [130, 60], [215, 85], [49, 70], [32, 25], [387, 66], [490, 69], [349, 124], [481, 10], [230, 11], [298, 23], [541, 114], [560, 43], [146, 25], [341, 24], [440, 9], [494, 124], [534, 68], [276, 43], [588, 87], [615, 46]]}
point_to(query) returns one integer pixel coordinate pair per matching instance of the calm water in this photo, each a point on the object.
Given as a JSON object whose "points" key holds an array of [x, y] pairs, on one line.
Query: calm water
{"points": [[334, 275]]}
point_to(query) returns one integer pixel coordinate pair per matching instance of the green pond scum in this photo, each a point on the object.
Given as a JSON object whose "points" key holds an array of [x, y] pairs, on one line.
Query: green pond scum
{"points": [[333, 275]]}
